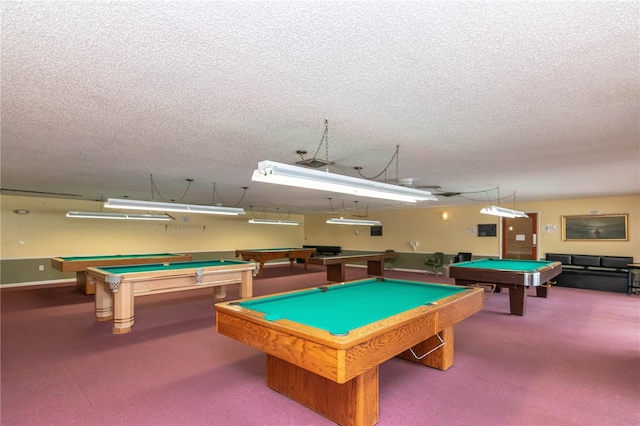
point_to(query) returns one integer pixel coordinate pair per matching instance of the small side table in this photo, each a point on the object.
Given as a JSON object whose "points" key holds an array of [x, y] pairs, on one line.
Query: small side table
{"points": [[634, 278]]}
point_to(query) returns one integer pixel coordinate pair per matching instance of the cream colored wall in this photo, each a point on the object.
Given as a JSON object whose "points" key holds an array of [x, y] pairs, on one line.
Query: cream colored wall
{"points": [[47, 232], [551, 212], [458, 233]]}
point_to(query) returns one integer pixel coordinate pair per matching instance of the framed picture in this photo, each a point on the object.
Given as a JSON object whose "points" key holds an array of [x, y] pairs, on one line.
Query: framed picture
{"points": [[487, 230], [595, 228]]}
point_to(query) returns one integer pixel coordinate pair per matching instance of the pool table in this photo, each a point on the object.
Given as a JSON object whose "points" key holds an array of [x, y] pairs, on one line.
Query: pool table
{"points": [[324, 344], [116, 286], [336, 265], [264, 255], [514, 274], [79, 264]]}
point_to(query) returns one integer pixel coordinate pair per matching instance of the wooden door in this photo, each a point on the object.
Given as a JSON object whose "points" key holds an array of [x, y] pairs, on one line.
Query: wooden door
{"points": [[520, 237]]}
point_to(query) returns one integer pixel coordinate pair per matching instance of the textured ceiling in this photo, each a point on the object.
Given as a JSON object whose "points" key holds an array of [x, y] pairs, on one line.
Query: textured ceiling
{"points": [[541, 98]]}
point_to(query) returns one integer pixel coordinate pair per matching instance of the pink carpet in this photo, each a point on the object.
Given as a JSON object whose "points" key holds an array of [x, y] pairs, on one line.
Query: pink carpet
{"points": [[574, 358]]}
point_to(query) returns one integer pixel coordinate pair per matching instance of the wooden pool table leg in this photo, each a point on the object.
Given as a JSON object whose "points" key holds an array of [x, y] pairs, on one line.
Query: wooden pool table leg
{"points": [[542, 291], [441, 358], [374, 268], [123, 309], [246, 285], [517, 299], [84, 285], [336, 272], [103, 301], [352, 403]]}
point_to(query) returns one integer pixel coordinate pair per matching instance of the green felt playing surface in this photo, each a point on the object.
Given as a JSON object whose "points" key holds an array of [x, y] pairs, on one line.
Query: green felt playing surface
{"points": [[348, 306], [129, 269], [505, 264]]}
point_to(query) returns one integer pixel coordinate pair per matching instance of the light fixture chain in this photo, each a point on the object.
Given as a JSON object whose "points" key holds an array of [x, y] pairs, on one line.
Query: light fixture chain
{"points": [[154, 187], [395, 156], [324, 140]]}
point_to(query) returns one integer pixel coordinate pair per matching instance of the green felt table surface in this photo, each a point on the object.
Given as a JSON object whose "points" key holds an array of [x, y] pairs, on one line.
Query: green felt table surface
{"points": [[130, 269], [118, 256], [344, 307], [513, 265]]}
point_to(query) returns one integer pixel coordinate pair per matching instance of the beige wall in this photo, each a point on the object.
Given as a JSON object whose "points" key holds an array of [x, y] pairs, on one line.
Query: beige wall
{"points": [[458, 233], [46, 232]]}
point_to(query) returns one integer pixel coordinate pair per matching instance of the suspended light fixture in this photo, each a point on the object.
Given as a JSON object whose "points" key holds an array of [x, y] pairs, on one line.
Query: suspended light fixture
{"points": [[503, 212], [121, 216], [285, 174], [116, 203], [274, 222], [341, 221]]}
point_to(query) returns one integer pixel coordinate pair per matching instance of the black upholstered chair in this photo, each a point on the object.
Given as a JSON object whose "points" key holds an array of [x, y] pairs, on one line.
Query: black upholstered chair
{"points": [[462, 256], [435, 261]]}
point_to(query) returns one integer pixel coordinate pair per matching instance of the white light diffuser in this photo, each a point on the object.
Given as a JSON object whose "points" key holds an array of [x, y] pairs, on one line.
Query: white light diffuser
{"points": [[503, 212], [117, 203], [341, 221], [121, 216], [273, 222], [285, 174]]}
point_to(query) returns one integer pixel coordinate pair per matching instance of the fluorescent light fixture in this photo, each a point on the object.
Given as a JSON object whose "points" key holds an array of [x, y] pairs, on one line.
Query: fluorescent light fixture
{"points": [[116, 203], [503, 212], [273, 222], [341, 221], [122, 216], [285, 174]]}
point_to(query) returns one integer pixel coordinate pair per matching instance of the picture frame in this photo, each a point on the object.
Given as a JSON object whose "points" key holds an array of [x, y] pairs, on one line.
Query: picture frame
{"points": [[487, 230], [595, 228]]}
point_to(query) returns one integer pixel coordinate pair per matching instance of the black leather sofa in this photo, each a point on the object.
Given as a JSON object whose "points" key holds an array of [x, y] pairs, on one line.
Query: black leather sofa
{"points": [[604, 273], [323, 251], [326, 250]]}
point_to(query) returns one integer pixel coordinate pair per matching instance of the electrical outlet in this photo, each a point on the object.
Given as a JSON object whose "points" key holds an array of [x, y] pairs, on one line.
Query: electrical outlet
{"points": [[40, 267]]}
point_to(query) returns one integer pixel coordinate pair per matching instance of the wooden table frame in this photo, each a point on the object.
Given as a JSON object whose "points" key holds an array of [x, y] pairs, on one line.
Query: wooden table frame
{"points": [[80, 266], [264, 255], [114, 297], [336, 265], [337, 376], [516, 281]]}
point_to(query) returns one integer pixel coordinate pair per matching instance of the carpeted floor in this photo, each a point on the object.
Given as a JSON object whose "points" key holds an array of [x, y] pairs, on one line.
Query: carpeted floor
{"points": [[574, 358]]}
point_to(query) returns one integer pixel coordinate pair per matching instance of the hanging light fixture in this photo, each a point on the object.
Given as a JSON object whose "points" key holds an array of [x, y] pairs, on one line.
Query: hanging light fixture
{"points": [[121, 216], [273, 222], [116, 203], [362, 222], [503, 212], [285, 174]]}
